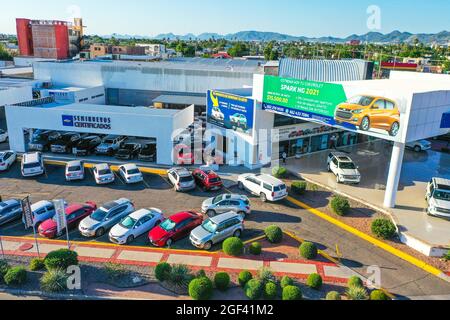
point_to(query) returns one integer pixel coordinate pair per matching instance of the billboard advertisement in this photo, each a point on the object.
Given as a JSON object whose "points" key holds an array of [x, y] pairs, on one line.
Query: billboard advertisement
{"points": [[377, 113], [230, 111]]}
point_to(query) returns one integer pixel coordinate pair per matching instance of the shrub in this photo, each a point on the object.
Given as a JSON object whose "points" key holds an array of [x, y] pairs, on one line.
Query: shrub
{"points": [[61, 259], [37, 264], [255, 248], [274, 234], [292, 293], [384, 228], [266, 275], [4, 267], [308, 250], [244, 277], [180, 275], [357, 293], [16, 276], [201, 274], [254, 289], [333, 295], [314, 281], [355, 281], [339, 205], [299, 187], [162, 271], [114, 271], [54, 280], [233, 246], [270, 290], [279, 172], [447, 256], [378, 295], [222, 281], [286, 281], [201, 288]]}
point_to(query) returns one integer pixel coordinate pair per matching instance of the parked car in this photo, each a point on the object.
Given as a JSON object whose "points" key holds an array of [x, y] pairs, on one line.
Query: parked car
{"points": [[10, 210], [86, 146], [74, 170], [217, 229], [128, 151], [65, 142], [103, 174], [239, 120], [3, 135], [32, 164], [110, 145], [419, 146], [41, 140], [207, 179], [148, 153], [174, 228], [105, 217], [438, 198], [225, 203], [130, 173], [217, 114], [343, 168], [181, 179], [74, 214], [7, 159], [135, 225], [42, 210], [268, 188]]}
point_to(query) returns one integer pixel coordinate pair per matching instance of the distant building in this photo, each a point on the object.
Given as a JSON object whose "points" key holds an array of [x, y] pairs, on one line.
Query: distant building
{"points": [[156, 50], [354, 42], [99, 50], [221, 55]]}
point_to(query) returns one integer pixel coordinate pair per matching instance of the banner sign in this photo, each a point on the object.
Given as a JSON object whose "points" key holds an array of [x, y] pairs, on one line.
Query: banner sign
{"points": [[60, 215], [445, 122], [27, 213]]}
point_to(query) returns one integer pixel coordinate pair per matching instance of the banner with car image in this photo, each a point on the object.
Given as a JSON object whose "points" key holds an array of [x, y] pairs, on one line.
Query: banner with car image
{"points": [[229, 111], [350, 106]]}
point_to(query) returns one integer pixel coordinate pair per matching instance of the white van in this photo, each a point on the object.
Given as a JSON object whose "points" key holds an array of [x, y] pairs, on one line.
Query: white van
{"points": [[32, 164], [267, 187]]}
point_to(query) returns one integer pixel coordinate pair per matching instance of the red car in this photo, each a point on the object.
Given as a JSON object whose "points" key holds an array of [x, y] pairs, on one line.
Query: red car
{"points": [[207, 179], [174, 228], [75, 213]]}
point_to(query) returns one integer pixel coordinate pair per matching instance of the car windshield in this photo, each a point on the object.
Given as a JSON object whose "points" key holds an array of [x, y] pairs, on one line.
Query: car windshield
{"points": [[442, 195], [128, 223], [104, 172], [74, 169], [347, 165], [214, 180], [168, 225], [31, 165], [99, 214], [361, 100], [186, 179], [209, 226], [133, 171]]}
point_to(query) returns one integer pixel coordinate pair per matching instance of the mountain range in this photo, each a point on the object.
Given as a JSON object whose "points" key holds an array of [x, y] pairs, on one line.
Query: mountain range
{"points": [[373, 37]]}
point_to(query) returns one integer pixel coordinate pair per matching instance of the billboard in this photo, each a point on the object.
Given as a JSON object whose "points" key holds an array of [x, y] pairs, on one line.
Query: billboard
{"points": [[230, 111], [348, 106]]}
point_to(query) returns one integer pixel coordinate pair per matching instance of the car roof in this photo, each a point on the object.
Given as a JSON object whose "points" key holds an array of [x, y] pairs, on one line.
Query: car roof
{"points": [[9, 202], [130, 166], [73, 163], [74, 207], [209, 172], [224, 217], [42, 203], [442, 184], [111, 136], [269, 179], [102, 166], [181, 216], [143, 212], [112, 204], [182, 172], [233, 196], [31, 157]]}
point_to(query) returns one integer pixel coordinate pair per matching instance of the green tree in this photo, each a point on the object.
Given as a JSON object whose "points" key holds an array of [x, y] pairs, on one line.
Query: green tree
{"points": [[238, 50]]}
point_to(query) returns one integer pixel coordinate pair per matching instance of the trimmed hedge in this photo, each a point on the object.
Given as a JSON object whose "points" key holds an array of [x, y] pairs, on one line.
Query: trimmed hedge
{"points": [[384, 228], [254, 289], [340, 205], [61, 259], [162, 271], [201, 289], [16, 276], [4, 267], [279, 172], [292, 293], [286, 281], [355, 281], [447, 256], [255, 248], [233, 246], [274, 234], [244, 277], [314, 281], [333, 295], [308, 250], [54, 280], [299, 187], [222, 281], [270, 291], [378, 295], [37, 264]]}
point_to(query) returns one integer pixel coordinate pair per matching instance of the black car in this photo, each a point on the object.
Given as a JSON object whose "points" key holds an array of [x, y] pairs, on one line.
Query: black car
{"points": [[65, 143], [42, 140], [128, 151], [87, 145], [148, 153]]}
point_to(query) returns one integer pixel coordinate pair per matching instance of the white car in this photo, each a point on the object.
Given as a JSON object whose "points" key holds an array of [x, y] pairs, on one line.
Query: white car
{"points": [[131, 173], [217, 114], [267, 187], [32, 164], [7, 159], [103, 174], [3, 136], [74, 171], [343, 168], [181, 179], [135, 225], [419, 146], [438, 198]]}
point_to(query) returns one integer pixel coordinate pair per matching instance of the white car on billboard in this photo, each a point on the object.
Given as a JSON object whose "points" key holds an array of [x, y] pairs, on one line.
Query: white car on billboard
{"points": [[217, 114]]}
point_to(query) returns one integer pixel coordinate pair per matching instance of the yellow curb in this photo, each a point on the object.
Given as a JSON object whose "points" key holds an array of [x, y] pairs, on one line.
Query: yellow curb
{"points": [[255, 239], [402, 255]]}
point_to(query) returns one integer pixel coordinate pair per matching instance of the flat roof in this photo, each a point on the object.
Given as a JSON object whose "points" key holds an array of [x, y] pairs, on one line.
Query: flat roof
{"points": [[6, 83], [181, 99]]}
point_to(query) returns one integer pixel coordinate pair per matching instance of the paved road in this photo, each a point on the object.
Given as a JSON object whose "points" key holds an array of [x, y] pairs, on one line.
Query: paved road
{"points": [[11, 297]]}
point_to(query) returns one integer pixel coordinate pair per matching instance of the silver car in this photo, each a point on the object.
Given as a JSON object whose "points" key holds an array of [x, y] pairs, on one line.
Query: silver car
{"points": [[225, 203], [217, 229], [105, 217], [10, 210], [181, 179]]}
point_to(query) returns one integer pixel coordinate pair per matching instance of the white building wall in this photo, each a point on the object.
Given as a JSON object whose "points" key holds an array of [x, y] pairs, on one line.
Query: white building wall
{"points": [[15, 95]]}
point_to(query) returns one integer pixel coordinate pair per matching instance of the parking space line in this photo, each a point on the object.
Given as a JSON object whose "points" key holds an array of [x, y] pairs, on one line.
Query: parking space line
{"points": [[145, 183], [15, 225], [119, 178]]}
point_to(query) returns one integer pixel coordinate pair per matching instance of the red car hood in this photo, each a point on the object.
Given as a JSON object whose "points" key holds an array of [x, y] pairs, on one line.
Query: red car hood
{"points": [[157, 233], [47, 225]]}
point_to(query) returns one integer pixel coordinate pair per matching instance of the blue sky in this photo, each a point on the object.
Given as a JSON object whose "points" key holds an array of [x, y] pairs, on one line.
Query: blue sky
{"points": [[295, 17]]}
